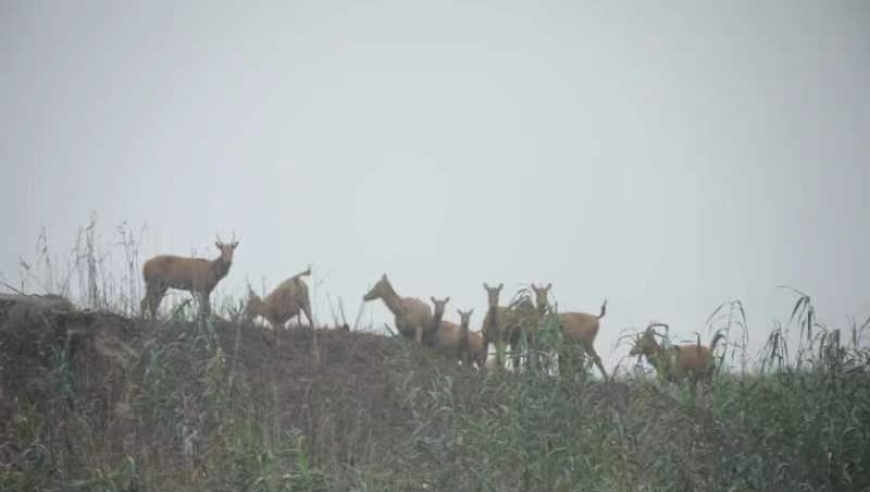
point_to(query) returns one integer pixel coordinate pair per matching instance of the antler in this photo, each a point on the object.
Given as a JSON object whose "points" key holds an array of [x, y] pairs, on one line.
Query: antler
{"points": [[650, 327]]}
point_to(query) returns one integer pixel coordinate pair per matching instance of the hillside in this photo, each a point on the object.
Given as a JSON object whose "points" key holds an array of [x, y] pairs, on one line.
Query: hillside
{"points": [[97, 401]]}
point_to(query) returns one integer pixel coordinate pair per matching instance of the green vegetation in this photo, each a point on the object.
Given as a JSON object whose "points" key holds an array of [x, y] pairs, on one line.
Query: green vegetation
{"points": [[97, 401]]}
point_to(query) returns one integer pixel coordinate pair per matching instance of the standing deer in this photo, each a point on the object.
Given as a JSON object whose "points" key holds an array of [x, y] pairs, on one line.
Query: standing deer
{"points": [[196, 275], [429, 334], [412, 315], [506, 323], [471, 344], [577, 328], [477, 349], [491, 329], [444, 337]]}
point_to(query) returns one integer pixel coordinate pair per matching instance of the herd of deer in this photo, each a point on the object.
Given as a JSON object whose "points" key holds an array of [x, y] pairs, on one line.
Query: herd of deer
{"points": [[414, 319]]}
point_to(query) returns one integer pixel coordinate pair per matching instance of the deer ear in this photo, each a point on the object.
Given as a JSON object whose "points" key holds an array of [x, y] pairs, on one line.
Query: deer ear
{"points": [[485, 286], [218, 244], [446, 300], [471, 311], [549, 286], [433, 300], [235, 244], [500, 286], [534, 287]]}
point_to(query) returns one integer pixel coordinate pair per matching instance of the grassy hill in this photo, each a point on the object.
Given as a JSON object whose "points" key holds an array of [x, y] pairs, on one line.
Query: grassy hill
{"points": [[96, 401]]}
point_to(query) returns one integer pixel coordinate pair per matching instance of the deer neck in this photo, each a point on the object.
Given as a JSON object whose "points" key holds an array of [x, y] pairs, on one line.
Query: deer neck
{"points": [[429, 334], [393, 301], [492, 318], [220, 267], [436, 319], [464, 342]]}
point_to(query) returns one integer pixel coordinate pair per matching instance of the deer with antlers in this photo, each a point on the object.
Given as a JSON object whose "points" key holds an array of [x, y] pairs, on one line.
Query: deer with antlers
{"points": [[196, 275], [676, 363]]}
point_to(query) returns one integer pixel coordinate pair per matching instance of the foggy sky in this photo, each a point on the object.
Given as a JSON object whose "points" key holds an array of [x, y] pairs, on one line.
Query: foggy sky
{"points": [[667, 159]]}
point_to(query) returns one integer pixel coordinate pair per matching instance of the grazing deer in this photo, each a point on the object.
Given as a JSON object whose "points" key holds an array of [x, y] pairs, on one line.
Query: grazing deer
{"points": [[677, 363], [288, 299], [196, 275], [412, 315]]}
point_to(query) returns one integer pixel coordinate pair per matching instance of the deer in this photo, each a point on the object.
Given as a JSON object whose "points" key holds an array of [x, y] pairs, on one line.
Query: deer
{"points": [[577, 328], [677, 363], [492, 332], [542, 297], [198, 276], [472, 350], [505, 323], [444, 337], [412, 315], [477, 349], [435, 324], [288, 299]]}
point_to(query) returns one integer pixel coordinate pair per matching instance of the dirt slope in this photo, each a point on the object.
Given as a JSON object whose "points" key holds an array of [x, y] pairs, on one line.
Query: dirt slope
{"points": [[171, 396]]}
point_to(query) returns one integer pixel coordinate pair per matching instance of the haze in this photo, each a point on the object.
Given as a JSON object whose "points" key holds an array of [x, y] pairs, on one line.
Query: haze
{"points": [[665, 158]]}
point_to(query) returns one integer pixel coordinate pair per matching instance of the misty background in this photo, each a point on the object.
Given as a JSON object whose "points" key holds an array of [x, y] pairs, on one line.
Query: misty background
{"points": [[667, 158]]}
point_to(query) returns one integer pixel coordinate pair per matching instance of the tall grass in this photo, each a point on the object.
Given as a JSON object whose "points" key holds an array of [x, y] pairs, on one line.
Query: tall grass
{"points": [[799, 424], [99, 272], [183, 405]]}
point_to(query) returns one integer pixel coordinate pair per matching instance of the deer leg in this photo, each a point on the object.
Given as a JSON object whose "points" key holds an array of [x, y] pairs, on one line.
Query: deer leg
{"points": [[486, 343], [204, 304], [156, 300], [578, 362], [143, 305], [595, 359], [517, 341], [153, 295], [500, 343], [532, 351], [307, 310], [515, 352]]}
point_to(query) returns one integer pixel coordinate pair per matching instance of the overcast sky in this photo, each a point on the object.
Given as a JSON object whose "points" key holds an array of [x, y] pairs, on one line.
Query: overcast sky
{"points": [[667, 159]]}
